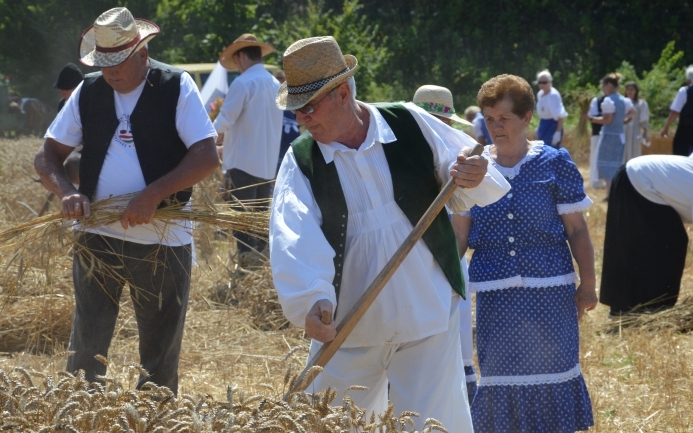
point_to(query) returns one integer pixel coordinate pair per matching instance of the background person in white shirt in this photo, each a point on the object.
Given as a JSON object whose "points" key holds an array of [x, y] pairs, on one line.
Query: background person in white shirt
{"points": [[252, 128], [550, 110], [645, 244], [345, 197], [145, 131], [682, 110]]}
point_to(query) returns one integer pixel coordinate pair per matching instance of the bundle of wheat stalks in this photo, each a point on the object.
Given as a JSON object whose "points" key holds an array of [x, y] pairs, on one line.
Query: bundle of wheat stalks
{"points": [[31, 401], [37, 242], [678, 318]]}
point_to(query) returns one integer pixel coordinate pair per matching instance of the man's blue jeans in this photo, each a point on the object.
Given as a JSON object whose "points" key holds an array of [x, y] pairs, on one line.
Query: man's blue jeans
{"points": [[159, 281]]}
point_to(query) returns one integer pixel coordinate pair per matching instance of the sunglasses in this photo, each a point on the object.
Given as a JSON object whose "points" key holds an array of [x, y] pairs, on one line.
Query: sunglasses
{"points": [[542, 82], [310, 108]]}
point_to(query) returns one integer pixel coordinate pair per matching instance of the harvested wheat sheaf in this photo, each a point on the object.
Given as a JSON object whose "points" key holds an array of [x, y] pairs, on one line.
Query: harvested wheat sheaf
{"points": [[31, 401]]}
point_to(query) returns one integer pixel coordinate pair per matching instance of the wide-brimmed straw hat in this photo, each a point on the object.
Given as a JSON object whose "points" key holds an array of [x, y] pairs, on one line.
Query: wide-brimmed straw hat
{"points": [[113, 38], [313, 67], [243, 41], [437, 100]]}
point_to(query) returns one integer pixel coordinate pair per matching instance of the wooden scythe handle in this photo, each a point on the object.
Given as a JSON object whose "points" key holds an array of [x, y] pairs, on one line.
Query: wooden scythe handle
{"points": [[359, 309]]}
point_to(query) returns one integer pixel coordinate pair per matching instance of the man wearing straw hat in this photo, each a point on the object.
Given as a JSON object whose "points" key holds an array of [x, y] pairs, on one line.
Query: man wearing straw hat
{"points": [[145, 132], [252, 128], [347, 194]]}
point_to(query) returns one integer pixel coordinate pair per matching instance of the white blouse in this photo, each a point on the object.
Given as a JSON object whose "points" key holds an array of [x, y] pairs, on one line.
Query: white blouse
{"points": [[550, 106], [416, 301]]}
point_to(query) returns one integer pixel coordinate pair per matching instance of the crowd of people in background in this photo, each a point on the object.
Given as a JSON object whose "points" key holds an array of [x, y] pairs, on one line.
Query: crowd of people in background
{"points": [[346, 193]]}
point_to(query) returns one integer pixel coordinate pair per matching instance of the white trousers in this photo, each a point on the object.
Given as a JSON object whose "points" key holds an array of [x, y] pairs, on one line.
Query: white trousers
{"points": [[425, 376], [595, 181], [466, 337]]}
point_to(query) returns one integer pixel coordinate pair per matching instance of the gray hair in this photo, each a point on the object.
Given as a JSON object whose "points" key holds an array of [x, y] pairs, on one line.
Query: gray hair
{"points": [[689, 72], [352, 88], [544, 74]]}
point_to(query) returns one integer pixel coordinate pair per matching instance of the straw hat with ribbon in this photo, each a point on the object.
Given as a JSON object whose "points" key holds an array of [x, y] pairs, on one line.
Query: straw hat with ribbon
{"points": [[243, 41], [437, 100], [313, 67], [113, 38]]}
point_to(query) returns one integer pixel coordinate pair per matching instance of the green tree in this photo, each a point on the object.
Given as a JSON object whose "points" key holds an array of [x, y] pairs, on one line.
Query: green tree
{"points": [[352, 31]]}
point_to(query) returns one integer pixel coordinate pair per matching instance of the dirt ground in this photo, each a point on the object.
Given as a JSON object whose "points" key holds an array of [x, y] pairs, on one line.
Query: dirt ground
{"points": [[639, 380]]}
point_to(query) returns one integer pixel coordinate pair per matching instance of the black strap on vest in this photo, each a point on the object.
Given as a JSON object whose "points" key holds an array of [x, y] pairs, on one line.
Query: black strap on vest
{"points": [[686, 115], [153, 121], [410, 160], [596, 127]]}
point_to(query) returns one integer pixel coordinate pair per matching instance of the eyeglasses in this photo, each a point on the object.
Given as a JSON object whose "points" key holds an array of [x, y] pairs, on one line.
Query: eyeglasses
{"points": [[542, 82], [310, 108]]}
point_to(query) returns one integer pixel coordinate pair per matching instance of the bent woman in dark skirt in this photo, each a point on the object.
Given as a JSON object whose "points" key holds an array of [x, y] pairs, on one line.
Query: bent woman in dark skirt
{"points": [[645, 244]]}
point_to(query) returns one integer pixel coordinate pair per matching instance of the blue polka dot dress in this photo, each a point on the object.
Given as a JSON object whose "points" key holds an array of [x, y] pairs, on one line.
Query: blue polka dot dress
{"points": [[523, 274]]}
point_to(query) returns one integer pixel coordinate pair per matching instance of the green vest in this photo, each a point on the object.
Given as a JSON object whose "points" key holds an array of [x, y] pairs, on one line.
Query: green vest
{"points": [[414, 182]]}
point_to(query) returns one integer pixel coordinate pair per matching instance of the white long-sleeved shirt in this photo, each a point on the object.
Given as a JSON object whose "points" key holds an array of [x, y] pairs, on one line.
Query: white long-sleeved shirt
{"points": [[550, 106], [251, 123], [415, 303]]}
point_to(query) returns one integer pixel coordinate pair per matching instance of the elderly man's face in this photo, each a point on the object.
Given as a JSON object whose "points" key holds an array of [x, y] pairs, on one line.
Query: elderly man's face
{"points": [[125, 78], [327, 122]]}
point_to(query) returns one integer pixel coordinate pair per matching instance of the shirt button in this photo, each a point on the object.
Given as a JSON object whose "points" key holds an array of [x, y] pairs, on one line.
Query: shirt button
{"points": [[512, 253], [510, 195], [511, 177], [510, 216], [511, 239]]}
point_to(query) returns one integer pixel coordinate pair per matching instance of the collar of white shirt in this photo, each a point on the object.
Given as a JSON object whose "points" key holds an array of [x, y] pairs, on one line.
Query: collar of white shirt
{"points": [[378, 131]]}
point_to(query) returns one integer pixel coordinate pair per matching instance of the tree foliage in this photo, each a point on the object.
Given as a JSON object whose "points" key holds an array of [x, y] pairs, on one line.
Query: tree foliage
{"points": [[400, 44]]}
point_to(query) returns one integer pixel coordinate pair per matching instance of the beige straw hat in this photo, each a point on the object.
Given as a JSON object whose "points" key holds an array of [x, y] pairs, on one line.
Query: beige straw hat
{"points": [[244, 40], [437, 100], [113, 38], [313, 67]]}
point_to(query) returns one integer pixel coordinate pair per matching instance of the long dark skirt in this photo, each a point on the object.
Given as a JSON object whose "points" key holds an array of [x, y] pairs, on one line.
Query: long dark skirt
{"points": [[644, 251], [683, 140]]}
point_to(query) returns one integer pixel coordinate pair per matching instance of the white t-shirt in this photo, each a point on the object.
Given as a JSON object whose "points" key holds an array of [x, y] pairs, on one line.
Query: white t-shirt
{"points": [[551, 105], [664, 179], [679, 100], [121, 172]]}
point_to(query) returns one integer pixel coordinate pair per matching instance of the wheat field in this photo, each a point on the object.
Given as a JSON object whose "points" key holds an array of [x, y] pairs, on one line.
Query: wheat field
{"points": [[640, 377]]}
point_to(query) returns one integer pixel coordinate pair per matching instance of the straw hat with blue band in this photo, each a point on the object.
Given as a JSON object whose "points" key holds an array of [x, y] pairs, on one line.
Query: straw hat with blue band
{"points": [[313, 67]]}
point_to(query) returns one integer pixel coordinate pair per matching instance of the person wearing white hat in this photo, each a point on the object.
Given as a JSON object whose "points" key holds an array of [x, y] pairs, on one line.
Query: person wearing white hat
{"points": [[145, 132], [437, 101], [252, 128], [347, 194]]}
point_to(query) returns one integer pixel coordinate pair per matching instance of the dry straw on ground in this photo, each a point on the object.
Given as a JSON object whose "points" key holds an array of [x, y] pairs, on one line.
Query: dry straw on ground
{"points": [[640, 379]]}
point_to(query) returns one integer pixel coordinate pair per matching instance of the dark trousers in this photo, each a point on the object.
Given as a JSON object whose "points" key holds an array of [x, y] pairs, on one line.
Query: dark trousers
{"points": [[234, 179], [159, 281]]}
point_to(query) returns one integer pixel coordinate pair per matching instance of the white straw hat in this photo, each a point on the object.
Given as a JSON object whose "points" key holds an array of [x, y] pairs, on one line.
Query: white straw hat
{"points": [[313, 67], [113, 38], [437, 100]]}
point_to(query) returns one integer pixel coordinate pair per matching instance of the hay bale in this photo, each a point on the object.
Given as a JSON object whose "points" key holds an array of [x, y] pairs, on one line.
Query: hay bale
{"points": [[36, 324]]}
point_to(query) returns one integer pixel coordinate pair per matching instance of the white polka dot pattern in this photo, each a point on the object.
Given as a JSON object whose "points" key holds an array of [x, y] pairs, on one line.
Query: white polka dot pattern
{"points": [[527, 333]]}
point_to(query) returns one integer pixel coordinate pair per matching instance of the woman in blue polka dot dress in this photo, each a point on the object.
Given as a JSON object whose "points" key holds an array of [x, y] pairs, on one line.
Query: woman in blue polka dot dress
{"points": [[522, 271]]}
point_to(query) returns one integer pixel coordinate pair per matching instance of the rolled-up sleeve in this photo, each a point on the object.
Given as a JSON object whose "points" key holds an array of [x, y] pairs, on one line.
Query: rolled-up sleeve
{"points": [[446, 143], [236, 99], [301, 258]]}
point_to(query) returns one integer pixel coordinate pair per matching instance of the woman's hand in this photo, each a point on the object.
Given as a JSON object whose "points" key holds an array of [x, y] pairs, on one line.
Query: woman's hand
{"points": [[585, 298]]}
